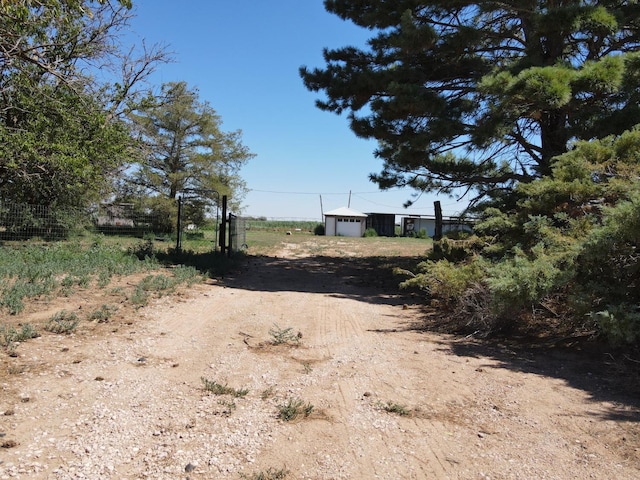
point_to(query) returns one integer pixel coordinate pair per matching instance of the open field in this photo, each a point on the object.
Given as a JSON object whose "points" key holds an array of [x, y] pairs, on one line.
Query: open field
{"points": [[304, 362]]}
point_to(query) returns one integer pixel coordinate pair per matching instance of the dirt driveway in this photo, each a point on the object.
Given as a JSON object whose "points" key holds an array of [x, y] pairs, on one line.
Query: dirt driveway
{"points": [[126, 399]]}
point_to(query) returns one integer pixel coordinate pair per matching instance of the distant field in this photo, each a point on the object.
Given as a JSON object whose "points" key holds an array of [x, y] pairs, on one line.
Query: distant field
{"points": [[281, 225]]}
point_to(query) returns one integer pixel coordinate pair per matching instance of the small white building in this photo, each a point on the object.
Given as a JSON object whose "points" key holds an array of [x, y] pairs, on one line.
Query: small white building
{"points": [[345, 222]]}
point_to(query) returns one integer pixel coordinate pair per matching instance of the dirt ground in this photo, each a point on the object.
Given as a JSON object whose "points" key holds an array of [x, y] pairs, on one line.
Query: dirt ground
{"points": [[391, 400]]}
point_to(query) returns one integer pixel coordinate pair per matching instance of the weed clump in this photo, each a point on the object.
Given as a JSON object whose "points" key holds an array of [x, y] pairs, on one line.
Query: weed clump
{"points": [[62, 322], [396, 408], [219, 389], [284, 336], [293, 409], [103, 314], [268, 474]]}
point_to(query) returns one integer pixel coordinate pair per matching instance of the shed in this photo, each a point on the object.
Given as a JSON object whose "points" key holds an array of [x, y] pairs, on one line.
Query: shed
{"points": [[344, 222], [411, 226], [383, 223]]}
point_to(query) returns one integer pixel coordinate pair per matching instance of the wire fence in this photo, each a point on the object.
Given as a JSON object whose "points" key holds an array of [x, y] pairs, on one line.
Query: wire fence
{"points": [[237, 233], [20, 221]]}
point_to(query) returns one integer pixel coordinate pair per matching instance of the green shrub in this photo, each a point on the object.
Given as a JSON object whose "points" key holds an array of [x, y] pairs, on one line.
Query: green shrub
{"points": [[9, 335], [319, 229], [280, 336], [103, 314], [444, 280], [619, 323], [524, 280], [62, 322], [571, 236], [370, 232]]}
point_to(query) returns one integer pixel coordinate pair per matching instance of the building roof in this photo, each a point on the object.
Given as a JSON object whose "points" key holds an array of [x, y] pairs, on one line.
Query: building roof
{"points": [[345, 212]]}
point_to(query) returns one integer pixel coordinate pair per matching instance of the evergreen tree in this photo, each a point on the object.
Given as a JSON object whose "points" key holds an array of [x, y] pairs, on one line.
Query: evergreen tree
{"points": [[482, 95], [185, 152]]}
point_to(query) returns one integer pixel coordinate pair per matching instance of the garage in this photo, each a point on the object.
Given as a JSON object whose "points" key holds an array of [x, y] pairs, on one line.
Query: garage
{"points": [[345, 222]]}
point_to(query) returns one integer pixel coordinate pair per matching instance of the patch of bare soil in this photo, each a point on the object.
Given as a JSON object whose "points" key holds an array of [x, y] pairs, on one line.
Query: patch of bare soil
{"points": [[125, 399]]}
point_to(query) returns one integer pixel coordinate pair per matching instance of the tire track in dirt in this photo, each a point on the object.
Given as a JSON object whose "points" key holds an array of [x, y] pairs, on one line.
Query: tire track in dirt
{"points": [[378, 444]]}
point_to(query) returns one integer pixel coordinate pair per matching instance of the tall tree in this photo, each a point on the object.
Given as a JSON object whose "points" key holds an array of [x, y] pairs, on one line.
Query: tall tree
{"points": [[61, 129], [58, 148], [185, 150], [482, 95]]}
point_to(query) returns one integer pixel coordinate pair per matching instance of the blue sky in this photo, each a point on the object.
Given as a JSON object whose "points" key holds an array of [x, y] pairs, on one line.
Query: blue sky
{"points": [[243, 56]]}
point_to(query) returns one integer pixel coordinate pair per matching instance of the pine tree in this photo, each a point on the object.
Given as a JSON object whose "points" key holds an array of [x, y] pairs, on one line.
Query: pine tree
{"points": [[185, 151], [479, 96]]}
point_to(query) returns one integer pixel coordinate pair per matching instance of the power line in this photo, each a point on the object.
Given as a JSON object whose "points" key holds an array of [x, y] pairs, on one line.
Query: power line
{"points": [[309, 193]]}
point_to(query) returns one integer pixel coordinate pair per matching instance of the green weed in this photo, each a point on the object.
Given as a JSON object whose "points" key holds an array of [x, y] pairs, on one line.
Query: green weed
{"points": [[10, 334], [293, 409], [103, 314], [219, 389], [268, 474], [280, 336], [139, 297], [267, 393], [392, 407], [229, 406]]}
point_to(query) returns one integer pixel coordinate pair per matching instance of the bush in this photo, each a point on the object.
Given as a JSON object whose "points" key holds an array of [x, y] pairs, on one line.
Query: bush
{"points": [[319, 229], [370, 232], [571, 236], [62, 322], [619, 323]]}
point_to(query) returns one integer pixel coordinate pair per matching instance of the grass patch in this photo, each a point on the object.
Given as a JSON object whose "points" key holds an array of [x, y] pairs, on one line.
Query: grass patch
{"points": [[34, 270], [219, 389], [294, 408]]}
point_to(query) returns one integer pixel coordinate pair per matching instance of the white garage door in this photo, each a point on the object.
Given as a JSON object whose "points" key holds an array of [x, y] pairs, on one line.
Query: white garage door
{"points": [[349, 227]]}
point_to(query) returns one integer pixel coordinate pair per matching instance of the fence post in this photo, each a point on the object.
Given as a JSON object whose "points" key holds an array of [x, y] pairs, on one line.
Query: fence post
{"points": [[232, 226], [179, 225], [438, 232], [223, 225]]}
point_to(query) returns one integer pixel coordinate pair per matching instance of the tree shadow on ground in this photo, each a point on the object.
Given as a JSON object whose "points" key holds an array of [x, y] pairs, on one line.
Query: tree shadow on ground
{"points": [[606, 374], [368, 279]]}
